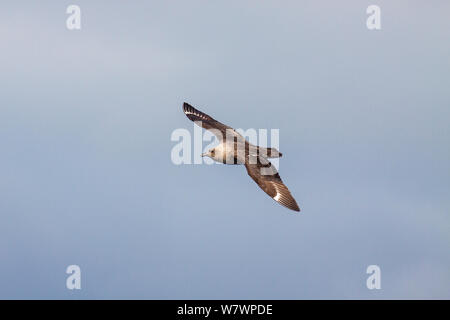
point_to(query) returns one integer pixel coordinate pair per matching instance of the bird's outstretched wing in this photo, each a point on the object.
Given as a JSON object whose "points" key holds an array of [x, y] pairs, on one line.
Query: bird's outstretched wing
{"points": [[267, 177], [203, 120]]}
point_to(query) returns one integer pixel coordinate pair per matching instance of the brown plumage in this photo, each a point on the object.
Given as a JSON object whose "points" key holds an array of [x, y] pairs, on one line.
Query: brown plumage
{"points": [[235, 149]]}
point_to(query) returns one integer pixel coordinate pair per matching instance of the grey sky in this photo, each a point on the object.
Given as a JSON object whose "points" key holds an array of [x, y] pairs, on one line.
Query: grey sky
{"points": [[85, 170]]}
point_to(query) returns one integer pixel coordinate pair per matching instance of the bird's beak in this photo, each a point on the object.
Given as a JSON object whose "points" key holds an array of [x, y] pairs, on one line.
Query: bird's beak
{"points": [[204, 154]]}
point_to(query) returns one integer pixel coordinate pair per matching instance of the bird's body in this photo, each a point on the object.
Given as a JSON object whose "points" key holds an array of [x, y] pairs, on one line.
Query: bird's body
{"points": [[234, 149], [225, 152]]}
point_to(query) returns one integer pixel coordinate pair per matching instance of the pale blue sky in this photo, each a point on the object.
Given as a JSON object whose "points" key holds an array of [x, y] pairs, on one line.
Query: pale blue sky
{"points": [[85, 171]]}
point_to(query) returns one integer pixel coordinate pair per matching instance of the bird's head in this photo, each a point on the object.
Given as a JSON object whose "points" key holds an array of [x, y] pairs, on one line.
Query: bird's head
{"points": [[210, 153]]}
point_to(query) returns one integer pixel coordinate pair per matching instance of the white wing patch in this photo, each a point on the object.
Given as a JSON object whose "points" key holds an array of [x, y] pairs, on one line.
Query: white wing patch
{"points": [[195, 114]]}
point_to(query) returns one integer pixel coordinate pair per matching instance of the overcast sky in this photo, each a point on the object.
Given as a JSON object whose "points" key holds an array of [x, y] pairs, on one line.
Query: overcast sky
{"points": [[86, 176]]}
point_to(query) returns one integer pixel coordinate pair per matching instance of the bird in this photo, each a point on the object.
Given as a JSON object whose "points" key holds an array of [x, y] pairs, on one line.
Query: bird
{"points": [[234, 149]]}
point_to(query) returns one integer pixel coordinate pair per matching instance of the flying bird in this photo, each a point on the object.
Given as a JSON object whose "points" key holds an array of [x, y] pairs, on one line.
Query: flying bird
{"points": [[233, 148]]}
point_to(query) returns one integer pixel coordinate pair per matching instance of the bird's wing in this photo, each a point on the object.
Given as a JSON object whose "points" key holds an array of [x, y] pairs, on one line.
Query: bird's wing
{"points": [[267, 177], [203, 120]]}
